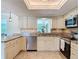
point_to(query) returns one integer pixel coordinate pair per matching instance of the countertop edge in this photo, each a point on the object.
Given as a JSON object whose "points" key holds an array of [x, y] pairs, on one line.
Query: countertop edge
{"points": [[10, 39]]}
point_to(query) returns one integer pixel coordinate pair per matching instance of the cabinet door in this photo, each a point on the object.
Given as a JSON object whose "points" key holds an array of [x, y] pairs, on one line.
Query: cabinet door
{"points": [[74, 56], [23, 22], [55, 43], [22, 43], [47, 44], [12, 49], [9, 53], [32, 22], [74, 50]]}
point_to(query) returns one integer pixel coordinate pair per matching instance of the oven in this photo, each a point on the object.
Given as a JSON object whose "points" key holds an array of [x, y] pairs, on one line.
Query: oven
{"points": [[65, 47]]}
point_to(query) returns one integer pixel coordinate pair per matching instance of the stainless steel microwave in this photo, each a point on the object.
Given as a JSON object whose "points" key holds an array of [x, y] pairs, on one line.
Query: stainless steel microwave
{"points": [[72, 22]]}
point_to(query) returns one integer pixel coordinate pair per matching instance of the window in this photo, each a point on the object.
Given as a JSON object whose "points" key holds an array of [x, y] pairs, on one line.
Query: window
{"points": [[44, 25], [3, 24]]}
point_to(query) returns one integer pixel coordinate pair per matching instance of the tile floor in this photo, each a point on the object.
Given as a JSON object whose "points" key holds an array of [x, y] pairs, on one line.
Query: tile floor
{"points": [[40, 55]]}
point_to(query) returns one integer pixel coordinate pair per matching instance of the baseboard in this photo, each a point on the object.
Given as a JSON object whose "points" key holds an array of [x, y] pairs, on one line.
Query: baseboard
{"points": [[31, 50], [62, 55], [19, 53]]}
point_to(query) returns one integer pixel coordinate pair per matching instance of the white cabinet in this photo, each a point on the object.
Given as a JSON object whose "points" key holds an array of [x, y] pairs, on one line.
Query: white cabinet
{"points": [[47, 43], [74, 50], [22, 43], [13, 47], [28, 22], [58, 22], [23, 22]]}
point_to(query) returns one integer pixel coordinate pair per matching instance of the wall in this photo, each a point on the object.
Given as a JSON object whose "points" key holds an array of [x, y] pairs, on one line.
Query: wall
{"points": [[19, 12], [12, 25], [17, 7]]}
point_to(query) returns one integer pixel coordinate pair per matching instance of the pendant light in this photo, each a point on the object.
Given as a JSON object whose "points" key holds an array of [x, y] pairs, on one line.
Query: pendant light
{"points": [[10, 18]]}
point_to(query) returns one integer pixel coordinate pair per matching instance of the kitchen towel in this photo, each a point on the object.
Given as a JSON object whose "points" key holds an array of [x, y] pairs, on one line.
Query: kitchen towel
{"points": [[62, 44]]}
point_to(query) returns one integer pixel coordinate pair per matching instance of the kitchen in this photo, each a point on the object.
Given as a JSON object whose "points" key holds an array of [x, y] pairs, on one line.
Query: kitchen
{"points": [[38, 33]]}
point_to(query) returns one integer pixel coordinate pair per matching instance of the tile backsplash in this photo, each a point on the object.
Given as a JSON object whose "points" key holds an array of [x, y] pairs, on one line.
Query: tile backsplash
{"points": [[75, 30]]}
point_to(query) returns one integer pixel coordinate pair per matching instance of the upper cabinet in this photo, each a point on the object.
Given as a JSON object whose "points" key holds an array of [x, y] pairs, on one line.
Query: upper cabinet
{"points": [[28, 22], [32, 23], [58, 22], [23, 22]]}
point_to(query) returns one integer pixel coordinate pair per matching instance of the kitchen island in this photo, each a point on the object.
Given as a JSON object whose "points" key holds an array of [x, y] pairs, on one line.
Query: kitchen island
{"points": [[49, 41]]}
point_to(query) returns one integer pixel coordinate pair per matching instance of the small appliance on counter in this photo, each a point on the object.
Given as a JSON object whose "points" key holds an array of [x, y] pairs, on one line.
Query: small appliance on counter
{"points": [[74, 36]]}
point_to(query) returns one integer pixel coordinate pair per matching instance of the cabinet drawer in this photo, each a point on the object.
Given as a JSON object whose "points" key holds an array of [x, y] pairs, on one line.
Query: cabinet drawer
{"points": [[74, 46], [74, 51], [73, 56], [10, 52], [11, 43]]}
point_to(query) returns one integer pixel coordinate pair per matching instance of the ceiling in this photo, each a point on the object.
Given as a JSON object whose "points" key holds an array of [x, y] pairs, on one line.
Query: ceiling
{"points": [[44, 4], [68, 6], [23, 9]]}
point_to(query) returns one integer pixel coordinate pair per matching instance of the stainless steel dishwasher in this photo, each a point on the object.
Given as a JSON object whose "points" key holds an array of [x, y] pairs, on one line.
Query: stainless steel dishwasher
{"points": [[31, 41]]}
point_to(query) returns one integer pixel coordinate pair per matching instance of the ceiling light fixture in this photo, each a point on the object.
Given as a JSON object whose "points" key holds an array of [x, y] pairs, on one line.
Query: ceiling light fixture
{"points": [[10, 18]]}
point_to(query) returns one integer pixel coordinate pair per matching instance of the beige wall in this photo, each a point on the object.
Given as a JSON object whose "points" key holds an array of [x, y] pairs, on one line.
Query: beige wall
{"points": [[13, 24]]}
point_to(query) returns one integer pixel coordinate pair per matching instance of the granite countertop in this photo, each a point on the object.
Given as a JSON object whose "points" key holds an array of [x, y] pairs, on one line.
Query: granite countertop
{"points": [[9, 38], [46, 34], [64, 35], [74, 41]]}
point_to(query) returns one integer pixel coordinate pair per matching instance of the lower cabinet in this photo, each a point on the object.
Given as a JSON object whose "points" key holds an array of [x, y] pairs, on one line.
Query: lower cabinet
{"points": [[22, 43], [47, 43], [13, 47], [74, 56], [74, 51]]}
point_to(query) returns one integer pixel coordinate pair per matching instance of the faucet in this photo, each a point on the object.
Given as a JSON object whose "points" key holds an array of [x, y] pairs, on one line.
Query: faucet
{"points": [[3, 34]]}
